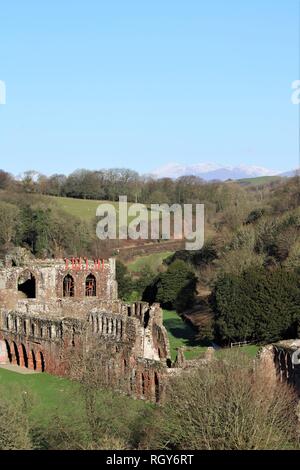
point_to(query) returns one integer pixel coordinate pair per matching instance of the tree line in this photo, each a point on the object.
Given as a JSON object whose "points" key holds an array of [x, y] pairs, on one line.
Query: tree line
{"points": [[108, 184]]}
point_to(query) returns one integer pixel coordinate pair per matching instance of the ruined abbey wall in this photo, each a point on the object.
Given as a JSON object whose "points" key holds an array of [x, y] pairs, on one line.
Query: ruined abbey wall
{"points": [[49, 308], [281, 361]]}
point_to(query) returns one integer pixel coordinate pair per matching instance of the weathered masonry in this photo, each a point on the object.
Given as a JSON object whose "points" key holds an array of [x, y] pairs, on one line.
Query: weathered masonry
{"points": [[50, 307], [281, 361]]}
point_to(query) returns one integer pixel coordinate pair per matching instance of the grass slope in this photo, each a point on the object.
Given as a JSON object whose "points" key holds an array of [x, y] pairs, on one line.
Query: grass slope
{"points": [[259, 180], [56, 396], [181, 334], [85, 209], [153, 261]]}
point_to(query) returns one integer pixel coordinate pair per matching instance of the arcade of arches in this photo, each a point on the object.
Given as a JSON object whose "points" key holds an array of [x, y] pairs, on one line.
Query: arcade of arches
{"points": [[18, 354]]}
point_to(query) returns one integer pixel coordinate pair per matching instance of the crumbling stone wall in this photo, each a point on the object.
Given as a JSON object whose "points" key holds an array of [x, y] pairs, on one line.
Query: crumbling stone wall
{"points": [[279, 362]]}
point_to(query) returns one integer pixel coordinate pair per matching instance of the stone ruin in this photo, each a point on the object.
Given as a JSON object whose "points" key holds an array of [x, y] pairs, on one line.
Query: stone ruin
{"points": [[47, 307], [281, 361]]}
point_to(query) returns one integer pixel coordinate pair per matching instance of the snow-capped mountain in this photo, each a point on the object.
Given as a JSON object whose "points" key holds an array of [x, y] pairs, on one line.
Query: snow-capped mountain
{"points": [[291, 173], [212, 171]]}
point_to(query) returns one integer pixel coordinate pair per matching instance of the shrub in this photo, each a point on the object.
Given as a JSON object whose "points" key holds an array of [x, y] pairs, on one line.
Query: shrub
{"points": [[224, 406], [257, 305]]}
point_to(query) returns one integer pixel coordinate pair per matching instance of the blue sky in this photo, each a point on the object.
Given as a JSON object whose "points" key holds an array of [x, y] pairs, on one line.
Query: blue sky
{"points": [[138, 84]]}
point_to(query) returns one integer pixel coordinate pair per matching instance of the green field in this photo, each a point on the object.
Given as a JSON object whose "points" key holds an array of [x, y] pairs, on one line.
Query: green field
{"points": [[181, 334], [259, 180], [85, 209], [153, 261]]}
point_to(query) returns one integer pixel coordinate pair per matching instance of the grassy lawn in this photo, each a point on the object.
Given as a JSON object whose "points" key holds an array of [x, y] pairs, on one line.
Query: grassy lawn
{"points": [[181, 334], [153, 261], [56, 396], [251, 350], [50, 394]]}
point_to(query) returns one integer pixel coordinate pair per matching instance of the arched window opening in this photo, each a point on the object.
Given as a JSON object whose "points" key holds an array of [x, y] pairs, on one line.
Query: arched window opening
{"points": [[32, 329], [24, 327], [90, 286], [7, 323], [27, 285], [68, 286], [25, 357]]}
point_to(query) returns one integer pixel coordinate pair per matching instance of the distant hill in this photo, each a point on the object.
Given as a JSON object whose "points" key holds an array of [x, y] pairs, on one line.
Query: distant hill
{"points": [[291, 173], [211, 171], [259, 180]]}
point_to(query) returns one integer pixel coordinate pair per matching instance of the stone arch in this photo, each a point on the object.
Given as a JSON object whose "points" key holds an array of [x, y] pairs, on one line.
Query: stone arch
{"points": [[8, 350], [68, 286], [4, 352], [24, 356], [42, 361], [156, 387], [33, 360], [27, 284], [289, 368], [16, 356], [282, 364], [90, 286], [143, 383]]}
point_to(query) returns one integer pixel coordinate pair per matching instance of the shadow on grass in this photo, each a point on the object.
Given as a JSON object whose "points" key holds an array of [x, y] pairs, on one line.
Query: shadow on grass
{"points": [[181, 330]]}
